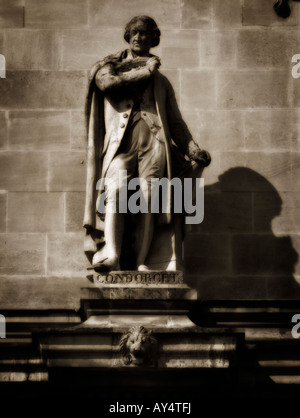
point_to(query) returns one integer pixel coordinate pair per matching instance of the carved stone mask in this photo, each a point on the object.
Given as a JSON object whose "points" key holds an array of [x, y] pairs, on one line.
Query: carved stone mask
{"points": [[137, 346]]}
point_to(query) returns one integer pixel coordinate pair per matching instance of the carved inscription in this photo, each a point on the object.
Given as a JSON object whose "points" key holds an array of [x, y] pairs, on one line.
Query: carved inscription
{"points": [[129, 277]]}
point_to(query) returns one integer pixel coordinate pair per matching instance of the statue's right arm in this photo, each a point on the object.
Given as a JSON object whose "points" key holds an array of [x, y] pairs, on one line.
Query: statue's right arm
{"points": [[108, 80]]}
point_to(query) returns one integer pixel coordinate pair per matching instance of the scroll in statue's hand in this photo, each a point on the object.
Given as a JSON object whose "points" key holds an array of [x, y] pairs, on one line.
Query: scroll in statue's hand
{"points": [[202, 157]]}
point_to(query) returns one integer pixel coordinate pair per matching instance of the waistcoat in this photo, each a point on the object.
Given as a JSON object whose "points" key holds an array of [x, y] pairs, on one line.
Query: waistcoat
{"points": [[145, 108]]}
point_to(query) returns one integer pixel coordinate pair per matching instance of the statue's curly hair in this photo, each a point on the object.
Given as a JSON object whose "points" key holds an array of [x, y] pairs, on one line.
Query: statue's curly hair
{"points": [[151, 25]]}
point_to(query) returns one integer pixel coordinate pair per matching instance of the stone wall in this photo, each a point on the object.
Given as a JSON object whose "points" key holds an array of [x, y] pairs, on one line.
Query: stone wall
{"points": [[230, 64]]}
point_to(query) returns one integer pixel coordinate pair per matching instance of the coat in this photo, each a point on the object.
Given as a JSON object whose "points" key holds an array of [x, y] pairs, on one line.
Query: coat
{"points": [[105, 120]]}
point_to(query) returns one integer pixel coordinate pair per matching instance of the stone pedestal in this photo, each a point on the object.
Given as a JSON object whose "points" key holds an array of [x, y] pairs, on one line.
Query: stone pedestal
{"points": [[148, 309], [124, 299]]}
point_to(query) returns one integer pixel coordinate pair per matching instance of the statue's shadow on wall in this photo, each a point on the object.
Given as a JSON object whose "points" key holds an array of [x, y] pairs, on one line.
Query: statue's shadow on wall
{"points": [[234, 253]]}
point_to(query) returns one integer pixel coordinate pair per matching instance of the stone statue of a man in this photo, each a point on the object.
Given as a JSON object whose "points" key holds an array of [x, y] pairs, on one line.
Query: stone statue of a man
{"points": [[134, 125]]}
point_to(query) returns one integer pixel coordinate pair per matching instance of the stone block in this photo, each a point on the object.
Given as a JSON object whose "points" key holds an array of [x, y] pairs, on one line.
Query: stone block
{"points": [[295, 92], [3, 131], [261, 13], [217, 130], [74, 208], [207, 254], [82, 48], [179, 38], [252, 89], [67, 171], [3, 206], [196, 14], [198, 90], [116, 13], [272, 130], [41, 293], [22, 254], [179, 49], [217, 49], [227, 14], [56, 14], [296, 171], [35, 212], [173, 57], [295, 239], [283, 288], [226, 212], [78, 130], [65, 255], [32, 49], [260, 49], [43, 89], [11, 14], [266, 207], [295, 129], [39, 130], [256, 171], [224, 287], [287, 220], [263, 254], [20, 171]]}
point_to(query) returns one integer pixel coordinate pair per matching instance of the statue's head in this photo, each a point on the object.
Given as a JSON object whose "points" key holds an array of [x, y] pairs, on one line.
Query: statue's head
{"points": [[142, 34]]}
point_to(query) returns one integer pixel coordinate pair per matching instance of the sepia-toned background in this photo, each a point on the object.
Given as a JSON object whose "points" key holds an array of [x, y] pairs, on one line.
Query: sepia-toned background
{"points": [[230, 64]]}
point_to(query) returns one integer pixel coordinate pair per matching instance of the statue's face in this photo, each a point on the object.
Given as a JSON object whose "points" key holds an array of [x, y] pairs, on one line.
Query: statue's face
{"points": [[140, 39]]}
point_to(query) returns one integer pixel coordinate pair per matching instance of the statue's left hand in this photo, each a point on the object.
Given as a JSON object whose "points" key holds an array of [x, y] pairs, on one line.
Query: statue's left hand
{"points": [[202, 157], [153, 64]]}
